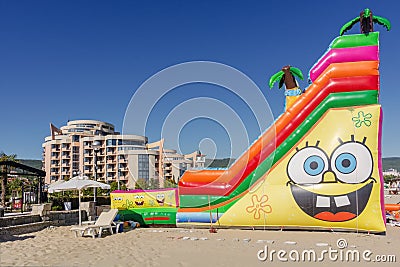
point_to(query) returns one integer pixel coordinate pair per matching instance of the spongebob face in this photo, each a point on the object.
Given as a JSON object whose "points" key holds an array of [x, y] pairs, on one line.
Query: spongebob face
{"points": [[139, 200], [347, 172], [117, 202], [160, 199]]}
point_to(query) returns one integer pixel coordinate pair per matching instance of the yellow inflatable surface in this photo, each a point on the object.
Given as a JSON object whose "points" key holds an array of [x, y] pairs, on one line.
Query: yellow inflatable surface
{"points": [[330, 179]]}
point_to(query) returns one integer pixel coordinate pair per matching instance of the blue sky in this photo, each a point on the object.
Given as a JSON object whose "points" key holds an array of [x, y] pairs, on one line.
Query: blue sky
{"points": [[65, 60]]}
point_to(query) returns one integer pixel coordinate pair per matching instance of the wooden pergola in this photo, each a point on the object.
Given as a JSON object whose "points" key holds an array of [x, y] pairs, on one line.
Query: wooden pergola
{"points": [[10, 168]]}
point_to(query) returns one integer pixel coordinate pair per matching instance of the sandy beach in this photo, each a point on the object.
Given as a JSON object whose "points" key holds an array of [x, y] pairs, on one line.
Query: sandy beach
{"points": [[188, 247]]}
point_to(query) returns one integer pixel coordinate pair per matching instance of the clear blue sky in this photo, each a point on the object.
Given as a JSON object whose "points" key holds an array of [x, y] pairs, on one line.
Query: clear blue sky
{"points": [[63, 60]]}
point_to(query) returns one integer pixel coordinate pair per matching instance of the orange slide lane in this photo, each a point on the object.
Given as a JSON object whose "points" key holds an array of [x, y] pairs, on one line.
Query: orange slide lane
{"points": [[255, 152]]}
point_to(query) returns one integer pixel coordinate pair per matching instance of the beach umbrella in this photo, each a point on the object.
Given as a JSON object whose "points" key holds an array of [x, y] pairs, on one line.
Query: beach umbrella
{"points": [[77, 183], [55, 184]]}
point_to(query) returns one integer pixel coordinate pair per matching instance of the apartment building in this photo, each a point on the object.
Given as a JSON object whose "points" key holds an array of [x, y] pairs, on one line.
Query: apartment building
{"points": [[80, 144]]}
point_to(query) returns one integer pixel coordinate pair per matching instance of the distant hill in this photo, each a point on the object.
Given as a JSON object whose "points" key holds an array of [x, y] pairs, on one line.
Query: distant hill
{"points": [[387, 163], [219, 163], [393, 162], [35, 163]]}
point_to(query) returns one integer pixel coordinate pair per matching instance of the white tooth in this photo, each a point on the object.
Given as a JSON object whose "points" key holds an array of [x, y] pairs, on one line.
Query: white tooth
{"points": [[323, 202], [342, 201]]}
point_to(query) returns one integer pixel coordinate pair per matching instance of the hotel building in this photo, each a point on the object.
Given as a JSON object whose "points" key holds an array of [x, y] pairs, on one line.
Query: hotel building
{"points": [[124, 158]]}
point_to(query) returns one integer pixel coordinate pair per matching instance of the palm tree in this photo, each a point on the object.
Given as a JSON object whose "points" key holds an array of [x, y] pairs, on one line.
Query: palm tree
{"points": [[4, 157], [287, 76], [367, 21]]}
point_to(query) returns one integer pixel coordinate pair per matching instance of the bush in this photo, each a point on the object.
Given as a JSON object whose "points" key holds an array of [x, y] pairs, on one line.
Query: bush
{"points": [[55, 208]]}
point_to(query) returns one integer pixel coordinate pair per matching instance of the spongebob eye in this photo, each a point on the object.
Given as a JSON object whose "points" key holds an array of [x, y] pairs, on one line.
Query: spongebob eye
{"points": [[307, 166], [352, 163]]}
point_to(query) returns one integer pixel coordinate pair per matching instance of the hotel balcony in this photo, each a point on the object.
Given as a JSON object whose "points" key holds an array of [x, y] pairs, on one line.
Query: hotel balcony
{"points": [[101, 179]]}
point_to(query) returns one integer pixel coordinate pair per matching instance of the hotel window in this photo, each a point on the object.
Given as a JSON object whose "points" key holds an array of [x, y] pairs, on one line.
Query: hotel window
{"points": [[143, 171], [111, 142]]}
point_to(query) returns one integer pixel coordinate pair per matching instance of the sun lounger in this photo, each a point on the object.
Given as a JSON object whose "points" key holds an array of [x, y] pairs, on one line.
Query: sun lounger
{"points": [[104, 222]]}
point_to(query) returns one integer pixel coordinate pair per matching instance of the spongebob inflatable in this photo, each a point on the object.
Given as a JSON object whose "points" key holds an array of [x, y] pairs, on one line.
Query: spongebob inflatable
{"points": [[317, 167], [325, 171]]}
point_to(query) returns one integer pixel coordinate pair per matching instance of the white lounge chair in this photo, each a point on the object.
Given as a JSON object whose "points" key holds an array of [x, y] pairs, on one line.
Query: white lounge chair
{"points": [[104, 222]]}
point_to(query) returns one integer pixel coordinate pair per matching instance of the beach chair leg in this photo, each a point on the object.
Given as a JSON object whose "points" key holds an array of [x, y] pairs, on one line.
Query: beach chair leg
{"points": [[100, 231]]}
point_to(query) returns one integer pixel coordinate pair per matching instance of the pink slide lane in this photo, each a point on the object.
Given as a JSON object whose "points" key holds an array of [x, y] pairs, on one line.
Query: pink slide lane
{"points": [[340, 55]]}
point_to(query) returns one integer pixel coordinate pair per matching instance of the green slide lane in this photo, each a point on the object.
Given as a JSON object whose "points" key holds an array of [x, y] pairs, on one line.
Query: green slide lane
{"points": [[355, 40]]}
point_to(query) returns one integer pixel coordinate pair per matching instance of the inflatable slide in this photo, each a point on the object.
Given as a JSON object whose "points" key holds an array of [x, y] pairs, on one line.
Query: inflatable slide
{"points": [[317, 167]]}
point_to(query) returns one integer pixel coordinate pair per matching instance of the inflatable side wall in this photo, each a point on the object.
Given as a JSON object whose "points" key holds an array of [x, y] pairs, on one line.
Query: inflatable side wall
{"points": [[324, 168], [147, 206]]}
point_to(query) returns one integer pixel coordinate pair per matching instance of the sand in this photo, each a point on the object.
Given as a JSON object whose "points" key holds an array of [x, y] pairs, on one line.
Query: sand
{"points": [[186, 247]]}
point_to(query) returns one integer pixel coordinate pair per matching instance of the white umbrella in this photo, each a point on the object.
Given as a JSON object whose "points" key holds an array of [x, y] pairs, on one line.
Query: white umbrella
{"points": [[77, 183], [55, 184]]}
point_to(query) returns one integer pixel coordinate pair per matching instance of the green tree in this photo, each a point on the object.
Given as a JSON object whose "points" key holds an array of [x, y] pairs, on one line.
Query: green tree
{"points": [[4, 157], [114, 186], [387, 178], [15, 184], [141, 184], [367, 20], [170, 183]]}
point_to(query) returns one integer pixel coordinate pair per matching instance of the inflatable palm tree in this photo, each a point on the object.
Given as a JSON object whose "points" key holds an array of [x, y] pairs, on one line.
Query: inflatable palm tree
{"points": [[287, 76], [367, 21]]}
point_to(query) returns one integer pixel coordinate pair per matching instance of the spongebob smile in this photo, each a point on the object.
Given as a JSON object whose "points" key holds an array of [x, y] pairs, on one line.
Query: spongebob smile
{"points": [[333, 208]]}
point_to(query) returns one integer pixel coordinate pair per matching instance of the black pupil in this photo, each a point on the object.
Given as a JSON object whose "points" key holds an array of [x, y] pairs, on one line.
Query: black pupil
{"points": [[346, 163], [314, 165]]}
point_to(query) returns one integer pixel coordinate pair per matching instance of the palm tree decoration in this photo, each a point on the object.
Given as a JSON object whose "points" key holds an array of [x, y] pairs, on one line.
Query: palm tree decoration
{"points": [[367, 21], [287, 76]]}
